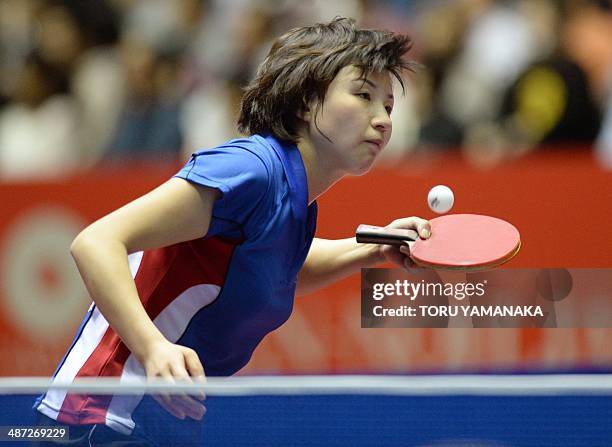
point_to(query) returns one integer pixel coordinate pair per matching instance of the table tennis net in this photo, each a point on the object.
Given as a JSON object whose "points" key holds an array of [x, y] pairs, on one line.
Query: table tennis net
{"points": [[446, 410]]}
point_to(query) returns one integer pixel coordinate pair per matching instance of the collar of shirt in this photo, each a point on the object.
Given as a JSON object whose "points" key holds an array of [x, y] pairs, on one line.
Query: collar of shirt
{"points": [[295, 171]]}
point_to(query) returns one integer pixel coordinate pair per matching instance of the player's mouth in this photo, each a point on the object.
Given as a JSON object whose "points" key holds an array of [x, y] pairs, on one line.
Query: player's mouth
{"points": [[376, 144]]}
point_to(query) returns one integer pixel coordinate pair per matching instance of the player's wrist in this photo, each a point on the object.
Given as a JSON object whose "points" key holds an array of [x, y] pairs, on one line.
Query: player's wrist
{"points": [[373, 254], [148, 344]]}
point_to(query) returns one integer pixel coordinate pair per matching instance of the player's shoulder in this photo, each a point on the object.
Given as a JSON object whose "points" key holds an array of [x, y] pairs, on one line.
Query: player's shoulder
{"points": [[252, 152], [247, 158]]}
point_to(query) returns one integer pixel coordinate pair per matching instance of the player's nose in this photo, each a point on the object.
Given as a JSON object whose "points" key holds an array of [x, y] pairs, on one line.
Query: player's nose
{"points": [[381, 121]]}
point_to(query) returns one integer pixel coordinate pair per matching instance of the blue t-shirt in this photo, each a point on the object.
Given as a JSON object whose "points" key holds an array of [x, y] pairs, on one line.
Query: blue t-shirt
{"points": [[219, 295], [264, 211]]}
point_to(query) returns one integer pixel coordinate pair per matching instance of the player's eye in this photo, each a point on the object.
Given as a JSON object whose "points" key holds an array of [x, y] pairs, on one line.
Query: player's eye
{"points": [[389, 109], [364, 95]]}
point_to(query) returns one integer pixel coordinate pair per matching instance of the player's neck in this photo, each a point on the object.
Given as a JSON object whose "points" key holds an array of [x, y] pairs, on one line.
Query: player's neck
{"points": [[320, 176]]}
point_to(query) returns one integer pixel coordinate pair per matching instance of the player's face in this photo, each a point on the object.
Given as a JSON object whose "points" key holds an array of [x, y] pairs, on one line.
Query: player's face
{"points": [[356, 119]]}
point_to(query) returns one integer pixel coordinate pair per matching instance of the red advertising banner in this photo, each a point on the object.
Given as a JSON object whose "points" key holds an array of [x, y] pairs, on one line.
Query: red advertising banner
{"points": [[560, 202]]}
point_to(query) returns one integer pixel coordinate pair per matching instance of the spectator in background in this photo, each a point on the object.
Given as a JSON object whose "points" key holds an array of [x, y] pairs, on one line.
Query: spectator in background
{"points": [[149, 121], [39, 126], [441, 31], [472, 51], [210, 109], [589, 43], [551, 102], [51, 127], [16, 23], [159, 115], [78, 37], [487, 47], [208, 114]]}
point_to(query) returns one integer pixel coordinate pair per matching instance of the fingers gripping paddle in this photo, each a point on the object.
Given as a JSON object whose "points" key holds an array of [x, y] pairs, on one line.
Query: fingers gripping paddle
{"points": [[458, 241]]}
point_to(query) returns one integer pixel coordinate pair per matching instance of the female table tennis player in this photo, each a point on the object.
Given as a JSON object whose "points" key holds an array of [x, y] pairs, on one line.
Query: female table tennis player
{"points": [[189, 278]]}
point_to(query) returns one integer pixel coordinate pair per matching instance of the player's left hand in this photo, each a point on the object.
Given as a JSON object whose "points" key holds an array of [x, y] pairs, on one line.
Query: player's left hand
{"points": [[400, 256]]}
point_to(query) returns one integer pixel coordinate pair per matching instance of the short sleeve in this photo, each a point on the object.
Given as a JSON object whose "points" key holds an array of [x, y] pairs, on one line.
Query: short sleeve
{"points": [[240, 175]]}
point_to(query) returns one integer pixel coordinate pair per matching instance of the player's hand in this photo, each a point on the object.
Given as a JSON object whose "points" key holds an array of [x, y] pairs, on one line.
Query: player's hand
{"points": [[175, 363], [401, 255]]}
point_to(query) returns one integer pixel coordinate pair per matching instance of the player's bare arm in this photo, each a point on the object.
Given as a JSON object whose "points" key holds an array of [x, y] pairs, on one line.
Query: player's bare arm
{"points": [[174, 212], [329, 261]]}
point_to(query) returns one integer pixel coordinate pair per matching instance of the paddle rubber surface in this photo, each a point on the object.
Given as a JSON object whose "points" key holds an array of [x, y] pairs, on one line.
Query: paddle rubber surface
{"points": [[467, 241]]}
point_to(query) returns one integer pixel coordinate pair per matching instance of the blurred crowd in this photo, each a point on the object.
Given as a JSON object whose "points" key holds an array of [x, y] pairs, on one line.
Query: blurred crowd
{"points": [[84, 82]]}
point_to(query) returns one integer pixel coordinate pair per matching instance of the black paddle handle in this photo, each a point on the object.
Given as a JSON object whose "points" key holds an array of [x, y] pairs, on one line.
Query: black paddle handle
{"points": [[370, 234]]}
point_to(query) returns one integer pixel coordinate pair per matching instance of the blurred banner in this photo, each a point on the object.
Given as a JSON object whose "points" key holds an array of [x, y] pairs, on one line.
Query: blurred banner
{"points": [[560, 202]]}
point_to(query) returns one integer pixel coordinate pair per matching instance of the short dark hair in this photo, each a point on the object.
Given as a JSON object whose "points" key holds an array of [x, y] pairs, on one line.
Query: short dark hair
{"points": [[303, 62]]}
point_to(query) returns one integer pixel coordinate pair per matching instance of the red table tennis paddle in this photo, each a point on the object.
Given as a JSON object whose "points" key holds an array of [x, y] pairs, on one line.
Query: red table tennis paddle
{"points": [[458, 241]]}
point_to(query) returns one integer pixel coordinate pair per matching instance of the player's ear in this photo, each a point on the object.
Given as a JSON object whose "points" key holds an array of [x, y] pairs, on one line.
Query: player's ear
{"points": [[308, 109], [305, 114]]}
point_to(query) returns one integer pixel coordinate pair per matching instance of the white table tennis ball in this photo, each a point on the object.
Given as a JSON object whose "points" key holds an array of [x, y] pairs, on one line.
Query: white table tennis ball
{"points": [[440, 199]]}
